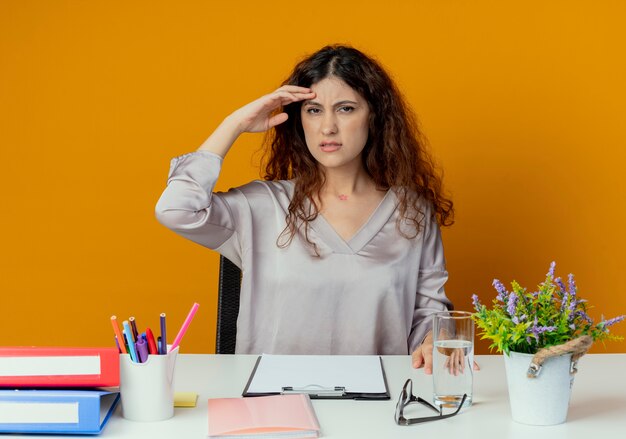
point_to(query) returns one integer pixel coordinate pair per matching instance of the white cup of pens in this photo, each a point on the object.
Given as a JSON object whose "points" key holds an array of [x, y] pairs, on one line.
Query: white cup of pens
{"points": [[147, 368]]}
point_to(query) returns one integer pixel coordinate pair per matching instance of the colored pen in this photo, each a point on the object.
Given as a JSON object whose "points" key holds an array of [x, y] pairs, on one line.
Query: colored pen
{"points": [[131, 342], [142, 350], [117, 343], [152, 347], [133, 326], [159, 344], [118, 334], [183, 329], [163, 349]]}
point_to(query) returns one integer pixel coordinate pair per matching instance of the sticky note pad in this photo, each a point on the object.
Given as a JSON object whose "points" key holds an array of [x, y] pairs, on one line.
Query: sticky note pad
{"points": [[185, 399]]}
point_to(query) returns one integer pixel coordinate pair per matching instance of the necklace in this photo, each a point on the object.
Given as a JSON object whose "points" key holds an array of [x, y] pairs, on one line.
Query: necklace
{"points": [[343, 197]]}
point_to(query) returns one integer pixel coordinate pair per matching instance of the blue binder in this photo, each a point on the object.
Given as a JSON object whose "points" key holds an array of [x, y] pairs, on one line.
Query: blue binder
{"points": [[61, 411]]}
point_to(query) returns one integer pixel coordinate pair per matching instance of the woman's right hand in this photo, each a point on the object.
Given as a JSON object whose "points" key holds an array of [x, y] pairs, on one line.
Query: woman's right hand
{"points": [[257, 117], [254, 117]]}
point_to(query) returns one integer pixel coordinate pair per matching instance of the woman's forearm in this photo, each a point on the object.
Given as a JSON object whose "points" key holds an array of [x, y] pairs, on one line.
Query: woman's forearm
{"points": [[222, 139]]}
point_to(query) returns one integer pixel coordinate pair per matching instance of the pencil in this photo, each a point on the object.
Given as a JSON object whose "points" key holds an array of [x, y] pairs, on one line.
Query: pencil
{"points": [[118, 334], [133, 326]]}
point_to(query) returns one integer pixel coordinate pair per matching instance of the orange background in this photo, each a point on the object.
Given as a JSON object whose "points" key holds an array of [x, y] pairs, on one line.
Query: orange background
{"points": [[523, 103]]}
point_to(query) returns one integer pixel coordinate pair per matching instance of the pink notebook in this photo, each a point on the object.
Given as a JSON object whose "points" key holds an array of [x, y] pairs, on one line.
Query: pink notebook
{"points": [[279, 416]]}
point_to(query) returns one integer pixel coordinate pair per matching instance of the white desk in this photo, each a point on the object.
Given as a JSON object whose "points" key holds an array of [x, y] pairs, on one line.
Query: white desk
{"points": [[598, 405]]}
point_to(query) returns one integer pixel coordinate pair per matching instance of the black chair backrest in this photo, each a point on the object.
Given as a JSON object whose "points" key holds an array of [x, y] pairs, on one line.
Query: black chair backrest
{"points": [[227, 306]]}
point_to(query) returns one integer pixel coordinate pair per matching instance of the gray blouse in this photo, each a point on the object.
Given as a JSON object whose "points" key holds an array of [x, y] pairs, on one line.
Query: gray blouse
{"points": [[372, 294]]}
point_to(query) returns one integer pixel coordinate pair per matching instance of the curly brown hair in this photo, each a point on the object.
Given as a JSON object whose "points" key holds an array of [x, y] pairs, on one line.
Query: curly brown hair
{"points": [[395, 155]]}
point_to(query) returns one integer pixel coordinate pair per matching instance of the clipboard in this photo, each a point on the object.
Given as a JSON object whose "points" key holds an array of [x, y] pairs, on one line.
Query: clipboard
{"points": [[359, 377]]}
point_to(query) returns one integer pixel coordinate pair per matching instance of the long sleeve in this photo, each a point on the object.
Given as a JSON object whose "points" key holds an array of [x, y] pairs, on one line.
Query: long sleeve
{"points": [[188, 205], [432, 276]]}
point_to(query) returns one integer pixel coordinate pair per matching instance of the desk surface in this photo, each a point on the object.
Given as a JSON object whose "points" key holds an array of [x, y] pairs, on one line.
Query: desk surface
{"points": [[598, 404]]}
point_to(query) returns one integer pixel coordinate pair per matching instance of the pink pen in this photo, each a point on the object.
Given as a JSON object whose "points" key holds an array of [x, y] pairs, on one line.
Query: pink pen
{"points": [[183, 328]]}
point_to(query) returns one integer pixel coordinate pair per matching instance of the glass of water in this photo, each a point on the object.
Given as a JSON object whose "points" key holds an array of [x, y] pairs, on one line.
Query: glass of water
{"points": [[453, 358]]}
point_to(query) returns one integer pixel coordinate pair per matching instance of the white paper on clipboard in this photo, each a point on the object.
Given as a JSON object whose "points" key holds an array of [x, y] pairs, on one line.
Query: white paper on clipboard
{"points": [[355, 373]]}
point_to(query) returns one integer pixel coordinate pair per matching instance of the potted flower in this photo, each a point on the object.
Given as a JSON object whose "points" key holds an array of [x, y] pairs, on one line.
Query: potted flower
{"points": [[542, 334]]}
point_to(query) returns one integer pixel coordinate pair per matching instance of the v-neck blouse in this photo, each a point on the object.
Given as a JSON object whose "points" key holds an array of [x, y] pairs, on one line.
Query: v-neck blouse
{"points": [[379, 217], [371, 294]]}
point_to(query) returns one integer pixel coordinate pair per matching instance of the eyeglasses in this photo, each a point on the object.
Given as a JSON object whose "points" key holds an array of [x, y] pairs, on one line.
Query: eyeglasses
{"points": [[407, 397]]}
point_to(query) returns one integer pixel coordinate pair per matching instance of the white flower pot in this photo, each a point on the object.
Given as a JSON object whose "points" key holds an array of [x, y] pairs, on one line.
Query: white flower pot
{"points": [[543, 400]]}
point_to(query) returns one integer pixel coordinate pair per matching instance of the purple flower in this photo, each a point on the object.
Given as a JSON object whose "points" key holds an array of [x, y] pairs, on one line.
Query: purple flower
{"points": [[476, 302], [500, 289], [583, 315], [551, 271], [572, 285], [537, 330], [518, 320], [564, 301], [510, 307], [542, 329], [561, 286], [606, 323]]}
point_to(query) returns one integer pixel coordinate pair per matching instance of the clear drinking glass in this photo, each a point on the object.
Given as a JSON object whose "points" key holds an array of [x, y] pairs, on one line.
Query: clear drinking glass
{"points": [[453, 358]]}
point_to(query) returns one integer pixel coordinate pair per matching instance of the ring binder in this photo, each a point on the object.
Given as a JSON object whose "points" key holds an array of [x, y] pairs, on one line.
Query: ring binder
{"points": [[32, 366], [315, 390]]}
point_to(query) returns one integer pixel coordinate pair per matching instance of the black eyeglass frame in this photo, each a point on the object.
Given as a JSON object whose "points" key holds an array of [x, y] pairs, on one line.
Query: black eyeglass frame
{"points": [[406, 397]]}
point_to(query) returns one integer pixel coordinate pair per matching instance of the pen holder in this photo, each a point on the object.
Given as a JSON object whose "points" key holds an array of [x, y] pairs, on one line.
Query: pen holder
{"points": [[147, 389]]}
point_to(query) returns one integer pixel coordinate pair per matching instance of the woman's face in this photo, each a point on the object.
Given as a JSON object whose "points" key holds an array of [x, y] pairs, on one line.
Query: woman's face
{"points": [[336, 124]]}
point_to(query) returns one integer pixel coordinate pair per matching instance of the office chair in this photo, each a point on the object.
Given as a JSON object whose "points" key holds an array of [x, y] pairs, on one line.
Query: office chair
{"points": [[227, 306]]}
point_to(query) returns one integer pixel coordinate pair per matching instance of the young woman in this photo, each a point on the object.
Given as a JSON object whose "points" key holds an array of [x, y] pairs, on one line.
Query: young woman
{"points": [[339, 246]]}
